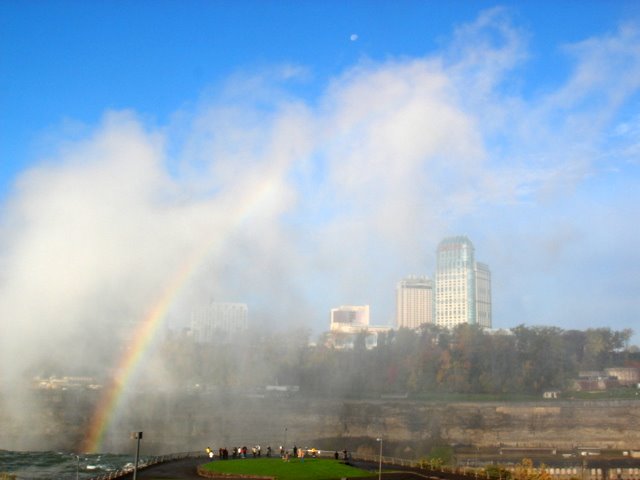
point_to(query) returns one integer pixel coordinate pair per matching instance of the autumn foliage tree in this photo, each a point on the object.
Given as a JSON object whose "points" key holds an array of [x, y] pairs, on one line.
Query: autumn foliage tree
{"points": [[526, 471]]}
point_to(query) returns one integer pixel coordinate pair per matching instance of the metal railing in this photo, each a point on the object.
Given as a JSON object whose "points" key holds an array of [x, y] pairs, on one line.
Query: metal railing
{"points": [[402, 462]]}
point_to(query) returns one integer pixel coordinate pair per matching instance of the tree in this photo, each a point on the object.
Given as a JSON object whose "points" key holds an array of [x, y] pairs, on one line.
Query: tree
{"points": [[526, 471]]}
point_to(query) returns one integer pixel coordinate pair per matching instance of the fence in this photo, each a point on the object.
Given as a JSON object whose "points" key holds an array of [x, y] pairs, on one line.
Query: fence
{"points": [[564, 473]]}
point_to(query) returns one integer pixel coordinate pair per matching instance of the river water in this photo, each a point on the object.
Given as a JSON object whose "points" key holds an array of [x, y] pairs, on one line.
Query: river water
{"points": [[60, 465]]}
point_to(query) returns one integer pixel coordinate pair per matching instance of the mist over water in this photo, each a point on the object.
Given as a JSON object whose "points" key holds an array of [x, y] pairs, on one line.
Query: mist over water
{"points": [[60, 466], [296, 206]]}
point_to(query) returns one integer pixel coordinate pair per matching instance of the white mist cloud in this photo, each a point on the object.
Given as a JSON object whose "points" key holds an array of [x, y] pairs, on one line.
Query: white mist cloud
{"points": [[301, 206]]}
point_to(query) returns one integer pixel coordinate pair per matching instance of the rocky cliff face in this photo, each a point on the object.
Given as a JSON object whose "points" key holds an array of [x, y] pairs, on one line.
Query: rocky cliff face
{"points": [[408, 424], [554, 424], [174, 423]]}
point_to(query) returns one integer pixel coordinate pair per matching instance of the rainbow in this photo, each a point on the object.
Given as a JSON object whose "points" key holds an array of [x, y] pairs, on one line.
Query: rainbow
{"points": [[111, 399]]}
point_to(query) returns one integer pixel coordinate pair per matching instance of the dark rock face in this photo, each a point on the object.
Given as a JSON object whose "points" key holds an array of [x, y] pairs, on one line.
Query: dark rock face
{"points": [[177, 423]]}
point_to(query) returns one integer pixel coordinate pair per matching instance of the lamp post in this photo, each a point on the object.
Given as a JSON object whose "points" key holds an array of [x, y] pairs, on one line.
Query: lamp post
{"points": [[284, 445], [379, 439], [77, 467], [137, 436]]}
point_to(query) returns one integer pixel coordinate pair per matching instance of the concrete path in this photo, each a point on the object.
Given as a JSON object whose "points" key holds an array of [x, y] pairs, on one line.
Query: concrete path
{"points": [[185, 469]]}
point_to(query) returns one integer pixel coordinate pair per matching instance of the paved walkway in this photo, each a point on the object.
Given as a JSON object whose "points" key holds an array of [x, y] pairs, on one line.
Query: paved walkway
{"points": [[185, 469]]}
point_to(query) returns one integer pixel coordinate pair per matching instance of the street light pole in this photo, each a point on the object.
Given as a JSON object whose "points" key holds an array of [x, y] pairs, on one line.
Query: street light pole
{"points": [[379, 439], [137, 436]]}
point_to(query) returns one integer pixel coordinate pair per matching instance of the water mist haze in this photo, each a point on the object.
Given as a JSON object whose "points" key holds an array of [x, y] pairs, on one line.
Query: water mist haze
{"points": [[258, 195]]}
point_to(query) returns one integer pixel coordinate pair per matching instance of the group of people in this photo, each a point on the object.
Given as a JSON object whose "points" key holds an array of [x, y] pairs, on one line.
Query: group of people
{"points": [[297, 452], [237, 452], [242, 452]]}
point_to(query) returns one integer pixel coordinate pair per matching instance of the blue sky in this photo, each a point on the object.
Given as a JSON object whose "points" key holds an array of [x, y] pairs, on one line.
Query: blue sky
{"points": [[71, 60], [321, 150]]}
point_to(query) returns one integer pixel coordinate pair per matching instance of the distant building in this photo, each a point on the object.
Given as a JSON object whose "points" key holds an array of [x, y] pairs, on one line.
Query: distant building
{"points": [[414, 302], [626, 376], [66, 383], [347, 341], [463, 287], [594, 380], [349, 318], [483, 295], [351, 324], [218, 320]]}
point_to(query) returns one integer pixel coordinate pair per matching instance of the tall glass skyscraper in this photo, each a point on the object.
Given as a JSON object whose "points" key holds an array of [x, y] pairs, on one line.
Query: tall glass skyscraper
{"points": [[458, 277]]}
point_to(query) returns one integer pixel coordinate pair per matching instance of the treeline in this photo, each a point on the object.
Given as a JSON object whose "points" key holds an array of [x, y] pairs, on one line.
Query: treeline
{"points": [[524, 360], [464, 360]]}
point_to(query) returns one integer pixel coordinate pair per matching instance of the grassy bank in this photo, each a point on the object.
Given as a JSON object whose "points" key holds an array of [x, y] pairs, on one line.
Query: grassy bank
{"points": [[309, 469]]}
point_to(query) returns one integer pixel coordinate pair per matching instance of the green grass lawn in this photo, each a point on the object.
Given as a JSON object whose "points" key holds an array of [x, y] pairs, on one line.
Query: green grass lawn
{"points": [[310, 469]]}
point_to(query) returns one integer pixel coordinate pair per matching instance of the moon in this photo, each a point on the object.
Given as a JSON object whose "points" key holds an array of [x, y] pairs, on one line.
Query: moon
{"points": [[353, 37]]}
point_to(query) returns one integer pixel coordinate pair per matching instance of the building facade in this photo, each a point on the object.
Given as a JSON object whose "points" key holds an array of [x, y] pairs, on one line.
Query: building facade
{"points": [[414, 302], [351, 326], [463, 286], [349, 318], [483, 295], [219, 320], [627, 376]]}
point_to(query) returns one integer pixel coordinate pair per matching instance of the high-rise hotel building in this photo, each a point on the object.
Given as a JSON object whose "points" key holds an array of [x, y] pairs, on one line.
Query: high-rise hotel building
{"points": [[414, 302], [463, 287], [218, 320], [483, 295]]}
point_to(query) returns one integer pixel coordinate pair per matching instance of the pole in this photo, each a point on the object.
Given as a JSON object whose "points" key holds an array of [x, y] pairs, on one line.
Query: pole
{"points": [[77, 467], [380, 459], [284, 445], [138, 437]]}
